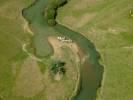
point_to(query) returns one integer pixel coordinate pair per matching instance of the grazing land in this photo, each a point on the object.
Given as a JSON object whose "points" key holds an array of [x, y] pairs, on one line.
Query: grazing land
{"points": [[109, 25], [12, 36]]}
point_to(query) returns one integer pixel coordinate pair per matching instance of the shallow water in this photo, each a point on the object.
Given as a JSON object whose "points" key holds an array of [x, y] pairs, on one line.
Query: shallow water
{"points": [[91, 71]]}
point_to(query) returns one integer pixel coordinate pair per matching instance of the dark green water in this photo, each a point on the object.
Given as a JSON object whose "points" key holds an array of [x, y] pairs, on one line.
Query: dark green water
{"points": [[91, 71]]}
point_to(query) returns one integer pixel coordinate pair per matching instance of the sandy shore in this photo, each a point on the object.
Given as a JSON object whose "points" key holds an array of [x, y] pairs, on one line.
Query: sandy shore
{"points": [[26, 27], [56, 44]]}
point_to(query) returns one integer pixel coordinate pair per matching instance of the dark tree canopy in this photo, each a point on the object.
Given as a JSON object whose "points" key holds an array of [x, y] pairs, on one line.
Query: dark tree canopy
{"points": [[51, 10], [58, 67]]}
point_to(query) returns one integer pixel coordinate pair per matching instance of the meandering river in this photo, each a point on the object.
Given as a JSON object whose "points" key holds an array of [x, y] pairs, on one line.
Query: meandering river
{"points": [[91, 70]]}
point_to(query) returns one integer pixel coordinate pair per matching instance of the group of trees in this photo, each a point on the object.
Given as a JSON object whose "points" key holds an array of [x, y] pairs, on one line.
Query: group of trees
{"points": [[58, 67], [51, 10]]}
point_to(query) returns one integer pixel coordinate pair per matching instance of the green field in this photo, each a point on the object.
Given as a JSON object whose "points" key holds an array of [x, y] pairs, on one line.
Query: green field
{"points": [[109, 25], [12, 36]]}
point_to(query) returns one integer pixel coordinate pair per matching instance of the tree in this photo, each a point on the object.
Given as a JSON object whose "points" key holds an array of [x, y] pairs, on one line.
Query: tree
{"points": [[52, 9], [58, 67], [51, 13]]}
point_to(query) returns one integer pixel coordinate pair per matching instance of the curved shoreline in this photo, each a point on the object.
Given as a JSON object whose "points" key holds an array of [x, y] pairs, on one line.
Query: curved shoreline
{"points": [[29, 54]]}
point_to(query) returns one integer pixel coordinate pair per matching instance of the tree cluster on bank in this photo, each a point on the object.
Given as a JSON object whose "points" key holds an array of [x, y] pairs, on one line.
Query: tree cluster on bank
{"points": [[51, 10], [58, 67]]}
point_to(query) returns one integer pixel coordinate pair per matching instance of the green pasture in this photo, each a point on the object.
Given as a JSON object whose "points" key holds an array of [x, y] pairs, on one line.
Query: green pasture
{"points": [[12, 36]]}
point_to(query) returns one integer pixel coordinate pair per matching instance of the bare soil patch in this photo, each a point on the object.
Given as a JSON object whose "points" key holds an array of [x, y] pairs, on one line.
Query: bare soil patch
{"points": [[58, 44]]}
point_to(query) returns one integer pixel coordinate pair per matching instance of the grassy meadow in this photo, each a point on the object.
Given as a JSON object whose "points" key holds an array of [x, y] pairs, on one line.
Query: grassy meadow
{"points": [[12, 36], [109, 25]]}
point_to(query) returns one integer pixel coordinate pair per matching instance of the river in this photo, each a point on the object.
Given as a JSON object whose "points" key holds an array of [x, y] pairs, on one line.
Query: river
{"points": [[91, 70]]}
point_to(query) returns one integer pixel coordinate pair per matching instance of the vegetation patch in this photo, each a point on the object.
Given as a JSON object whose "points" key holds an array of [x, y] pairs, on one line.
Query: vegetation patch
{"points": [[58, 67], [29, 80], [51, 10]]}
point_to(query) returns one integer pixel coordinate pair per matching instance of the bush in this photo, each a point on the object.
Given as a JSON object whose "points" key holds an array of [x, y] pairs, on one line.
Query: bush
{"points": [[51, 13]]}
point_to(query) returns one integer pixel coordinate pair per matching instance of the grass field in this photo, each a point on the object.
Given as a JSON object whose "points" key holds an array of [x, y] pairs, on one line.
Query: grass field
{"points": [[11, 28], [108, 24], [12, 36]]}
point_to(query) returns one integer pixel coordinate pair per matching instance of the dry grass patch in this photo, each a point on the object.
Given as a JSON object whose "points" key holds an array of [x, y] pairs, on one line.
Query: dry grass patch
{"points": [[29, 80], [84, 4], [78, 22]]}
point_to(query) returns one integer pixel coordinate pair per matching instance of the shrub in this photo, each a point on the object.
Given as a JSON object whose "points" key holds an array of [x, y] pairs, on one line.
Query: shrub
{"points": [[51, 22]]}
